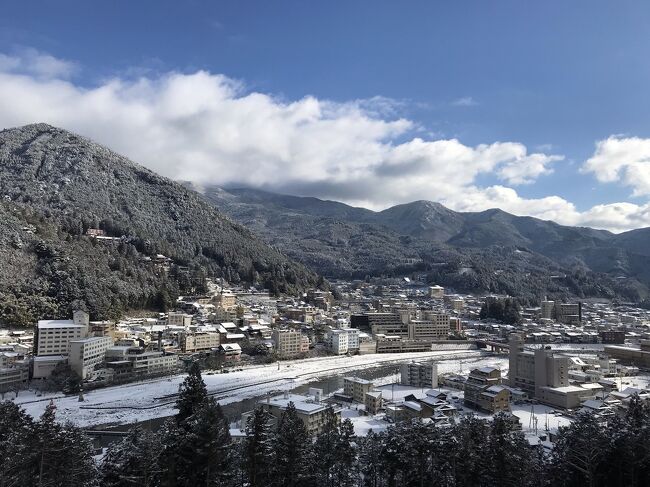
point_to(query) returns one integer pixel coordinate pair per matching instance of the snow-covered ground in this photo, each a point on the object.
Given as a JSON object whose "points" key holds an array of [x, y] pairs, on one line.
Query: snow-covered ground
{"points": [[146, 400]]}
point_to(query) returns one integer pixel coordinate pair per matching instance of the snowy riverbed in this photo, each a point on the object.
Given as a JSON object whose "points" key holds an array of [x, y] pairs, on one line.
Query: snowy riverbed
{"points": [[146, 400]]}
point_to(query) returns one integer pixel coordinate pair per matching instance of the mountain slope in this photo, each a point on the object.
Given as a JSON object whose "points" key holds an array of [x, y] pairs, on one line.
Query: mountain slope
{"points": [[486, 251], [55, 185]]}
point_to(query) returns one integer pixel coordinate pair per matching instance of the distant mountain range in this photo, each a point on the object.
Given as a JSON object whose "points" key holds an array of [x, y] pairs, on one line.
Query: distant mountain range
{"points": [[485, 251], [55, 185]]}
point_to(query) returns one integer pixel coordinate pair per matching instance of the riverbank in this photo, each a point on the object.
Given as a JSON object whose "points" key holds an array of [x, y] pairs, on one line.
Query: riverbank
{"points": [[143, 401]]}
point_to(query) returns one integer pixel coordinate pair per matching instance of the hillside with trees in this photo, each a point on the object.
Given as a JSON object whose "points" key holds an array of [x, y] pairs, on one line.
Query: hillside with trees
{"points": [[55, 186], [486, 252]]}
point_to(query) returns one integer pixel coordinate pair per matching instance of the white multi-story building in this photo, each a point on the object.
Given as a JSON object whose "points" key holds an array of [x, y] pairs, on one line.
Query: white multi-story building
{"points": [[343, 341], [87, 353], [152, 362], [53, 337], [338, 341], [135, 360]]}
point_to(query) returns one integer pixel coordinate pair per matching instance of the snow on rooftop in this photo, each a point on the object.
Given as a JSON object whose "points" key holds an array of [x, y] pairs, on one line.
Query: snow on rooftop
{"points": [[58, 324], [302, 403]]}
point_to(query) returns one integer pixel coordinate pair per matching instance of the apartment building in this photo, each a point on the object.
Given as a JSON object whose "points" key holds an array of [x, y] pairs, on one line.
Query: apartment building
{"points": [[199, 341], [43, 365], [152, 362], [14, 376], [436, 292], [394, 344], [419, 374], [289, 343], [483, 390], [435, 327], [343, 341], [367, 321], [87, 353], [53, 337], [455, 324], [356, 388], [135, 360], [373, 401], [225, 299], [178, 319], [311, 411], [547, 309], [568, 313], [634, 356], [544, 375]]}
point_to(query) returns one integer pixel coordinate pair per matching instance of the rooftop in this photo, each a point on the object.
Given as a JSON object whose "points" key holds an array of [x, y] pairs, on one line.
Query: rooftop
{"points": [[58, 324]]}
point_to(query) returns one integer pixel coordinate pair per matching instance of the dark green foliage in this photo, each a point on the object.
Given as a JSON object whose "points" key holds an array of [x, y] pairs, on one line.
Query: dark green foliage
{"points": [[292, 451], [192, 395], [198, 451], [327, 444], [617, 454], [43, 452], [505, 310], [133, 461], [196, 444], [259, 444], [56, 185]]}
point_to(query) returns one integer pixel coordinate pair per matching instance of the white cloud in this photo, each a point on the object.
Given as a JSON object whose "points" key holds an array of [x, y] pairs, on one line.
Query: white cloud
{"points": [[465, 101], [32, 62], [622, 159], [209, 129]]}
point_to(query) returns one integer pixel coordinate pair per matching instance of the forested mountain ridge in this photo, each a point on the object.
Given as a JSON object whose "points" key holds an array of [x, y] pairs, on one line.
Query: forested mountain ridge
{"points": [[55, 185], [489, 251]]}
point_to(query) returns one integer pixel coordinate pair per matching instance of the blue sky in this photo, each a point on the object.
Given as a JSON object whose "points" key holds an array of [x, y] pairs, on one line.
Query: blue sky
{"points": [[556, 77]]}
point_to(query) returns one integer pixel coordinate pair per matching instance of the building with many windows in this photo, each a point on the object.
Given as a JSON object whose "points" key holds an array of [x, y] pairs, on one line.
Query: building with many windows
{"points": [[289, 343], [199, 341], [483, 390], [342, 341], [419, 374], [87, 353], [53, 337], [310, 410], [434, 327], [356, 388]]}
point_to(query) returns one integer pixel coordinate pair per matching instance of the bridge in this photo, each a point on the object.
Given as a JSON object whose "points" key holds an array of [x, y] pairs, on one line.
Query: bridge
{"points": [[494, 346]]}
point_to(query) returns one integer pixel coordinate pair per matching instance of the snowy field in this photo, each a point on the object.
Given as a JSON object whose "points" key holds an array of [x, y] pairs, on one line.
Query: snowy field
{"points": [[147, 400]]}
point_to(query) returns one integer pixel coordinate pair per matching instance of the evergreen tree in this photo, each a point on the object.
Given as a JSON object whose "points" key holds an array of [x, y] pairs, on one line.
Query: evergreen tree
{"points": [[16, 436], [509, 461], [370, 460], [292, 451], [209, 442], [61, 455], [259, 448], [133, 461], [578, 453], [346, 473], [193, 393], [326, 447], [469, 452]]}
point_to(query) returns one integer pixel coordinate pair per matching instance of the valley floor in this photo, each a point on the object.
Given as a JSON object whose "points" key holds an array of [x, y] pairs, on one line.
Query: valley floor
{"points": [[152, 399]]}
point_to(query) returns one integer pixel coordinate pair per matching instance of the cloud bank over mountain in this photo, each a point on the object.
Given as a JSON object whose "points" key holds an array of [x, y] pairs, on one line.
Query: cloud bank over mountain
{"points": [[210, 129]]}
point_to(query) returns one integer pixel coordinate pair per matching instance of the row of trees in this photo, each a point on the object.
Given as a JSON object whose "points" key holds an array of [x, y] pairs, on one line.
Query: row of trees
{"points": [[195, 448], [505, 310]]}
